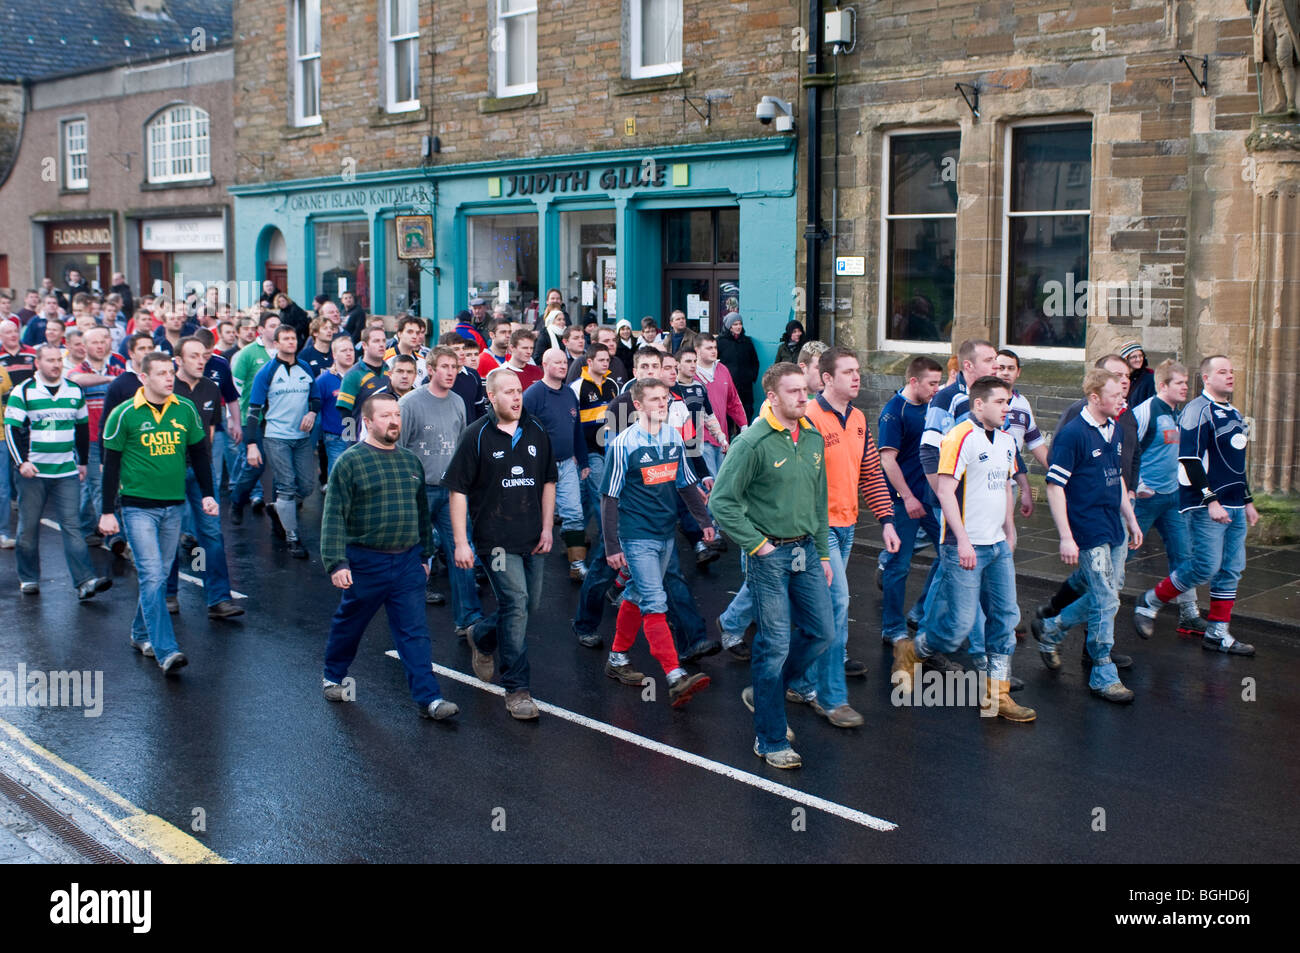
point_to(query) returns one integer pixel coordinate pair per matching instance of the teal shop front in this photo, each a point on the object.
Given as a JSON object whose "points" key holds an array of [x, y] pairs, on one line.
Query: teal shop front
{"points": [[707, 228]]}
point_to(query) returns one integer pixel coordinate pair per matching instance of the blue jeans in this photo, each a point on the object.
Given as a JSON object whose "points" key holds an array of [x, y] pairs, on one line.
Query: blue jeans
{"points": [[647, 562], [92, 496], [896, 568], [792, 606], [988, 590], [517, 583], [394, 582], [334, 447], [221, 450], [685, 620], [713, 457], [1161, 511], [591, 597], [8, 490], [245, 481], [1101, 572], [591, 487], [153, 533], [826, 678], [738, 615], [465, 606], [214, 570], [293, 476], [64, 493], [1218, 553], [568, 496]]}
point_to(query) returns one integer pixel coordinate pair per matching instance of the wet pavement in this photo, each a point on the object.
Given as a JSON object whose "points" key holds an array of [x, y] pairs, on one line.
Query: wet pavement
{"points": [[1192, 771]]}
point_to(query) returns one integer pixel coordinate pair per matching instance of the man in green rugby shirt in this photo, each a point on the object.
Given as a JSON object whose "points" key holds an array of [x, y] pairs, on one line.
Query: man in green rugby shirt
{"points": [[375, 540], [47, 429], [150, 443]]}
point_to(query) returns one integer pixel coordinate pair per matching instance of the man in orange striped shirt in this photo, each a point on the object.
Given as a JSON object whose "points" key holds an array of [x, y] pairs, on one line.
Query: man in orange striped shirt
{"points": [[852, 469]]}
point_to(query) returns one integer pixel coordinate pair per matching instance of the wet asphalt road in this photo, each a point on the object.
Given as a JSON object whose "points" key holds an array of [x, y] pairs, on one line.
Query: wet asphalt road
{"points": [[1189, 773]]}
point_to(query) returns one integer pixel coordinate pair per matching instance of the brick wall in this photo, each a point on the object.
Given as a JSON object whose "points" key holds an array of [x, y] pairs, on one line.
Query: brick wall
{"points": [[745, 50]]}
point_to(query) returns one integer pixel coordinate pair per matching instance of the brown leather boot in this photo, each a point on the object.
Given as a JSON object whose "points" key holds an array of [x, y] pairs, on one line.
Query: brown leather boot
{"points": [[905, 661], [997, 701]]}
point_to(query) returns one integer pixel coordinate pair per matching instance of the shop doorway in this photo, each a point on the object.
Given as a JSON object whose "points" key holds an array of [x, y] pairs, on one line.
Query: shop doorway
{"points": [[701, 265]]}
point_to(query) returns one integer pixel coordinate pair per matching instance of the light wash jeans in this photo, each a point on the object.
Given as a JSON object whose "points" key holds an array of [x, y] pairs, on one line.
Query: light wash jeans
{"points": [[1218, 553], [568, 496], [1101, 571], [826, 678], [1161, 511], [988, 590], [153, 534]]}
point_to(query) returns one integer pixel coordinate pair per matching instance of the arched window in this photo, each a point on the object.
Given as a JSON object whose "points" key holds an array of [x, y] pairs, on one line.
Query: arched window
{"points": [[179, 145]]}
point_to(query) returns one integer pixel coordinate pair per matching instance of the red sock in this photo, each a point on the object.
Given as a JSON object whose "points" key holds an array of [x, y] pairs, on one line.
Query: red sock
{"points": [[627, 626], [1220, 610], [660, 638], [1166, 591]]}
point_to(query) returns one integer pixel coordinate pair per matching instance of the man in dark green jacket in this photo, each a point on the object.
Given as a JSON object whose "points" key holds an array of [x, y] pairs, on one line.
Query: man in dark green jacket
{"points": [[771, 498]]}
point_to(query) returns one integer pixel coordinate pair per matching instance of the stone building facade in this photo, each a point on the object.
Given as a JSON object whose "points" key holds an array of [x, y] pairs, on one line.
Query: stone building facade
{"points": [[551, 145], [1077, 148]]}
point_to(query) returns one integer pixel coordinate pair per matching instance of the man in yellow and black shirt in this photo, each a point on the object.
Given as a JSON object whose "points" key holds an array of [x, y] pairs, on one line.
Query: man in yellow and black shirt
{"points": [[150, 442]]}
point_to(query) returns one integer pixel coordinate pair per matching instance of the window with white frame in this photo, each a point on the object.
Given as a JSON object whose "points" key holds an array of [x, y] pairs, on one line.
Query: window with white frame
{"points": [[515, 40], [305, 45], [654, 37], [179, 145], [402, 39], [919, 236], [76, 153], [1047, 222]]}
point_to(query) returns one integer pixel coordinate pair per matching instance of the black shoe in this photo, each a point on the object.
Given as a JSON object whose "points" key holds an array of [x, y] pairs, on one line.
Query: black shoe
{"points": [[740, 651], [189, 543], [1044, 612], [702, 649], [94, 539], [237, 513], [853, 668], [296, 549], [1051, 657], [93, 587], [118, 546], [913, 625], [226, 609], [259, 506], [1121, 661], [434, 598], [719, 543], [277, 528], [938, 662], [1015, 683], [704, 554]]}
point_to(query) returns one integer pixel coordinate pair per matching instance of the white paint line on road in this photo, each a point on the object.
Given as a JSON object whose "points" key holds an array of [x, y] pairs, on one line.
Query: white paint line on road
{"points": [[716, 767], [193, 580]]}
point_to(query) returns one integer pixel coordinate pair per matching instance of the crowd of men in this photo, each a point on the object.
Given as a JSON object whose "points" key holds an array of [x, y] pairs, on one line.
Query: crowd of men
{"points": [[476, 452]]}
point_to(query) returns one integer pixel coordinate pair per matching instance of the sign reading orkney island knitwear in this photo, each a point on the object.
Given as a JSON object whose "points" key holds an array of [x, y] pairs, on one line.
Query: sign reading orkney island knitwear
{"points": [[648, 174]]}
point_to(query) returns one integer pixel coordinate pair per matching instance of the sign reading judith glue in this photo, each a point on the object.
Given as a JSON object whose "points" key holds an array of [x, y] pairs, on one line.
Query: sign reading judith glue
{"points": [[645, 175]]}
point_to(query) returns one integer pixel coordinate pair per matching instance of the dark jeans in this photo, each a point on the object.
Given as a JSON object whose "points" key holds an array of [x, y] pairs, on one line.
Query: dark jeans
{"points": [[395, 582], [517, 583], [213, 567], [65, 494], [465, 606]]}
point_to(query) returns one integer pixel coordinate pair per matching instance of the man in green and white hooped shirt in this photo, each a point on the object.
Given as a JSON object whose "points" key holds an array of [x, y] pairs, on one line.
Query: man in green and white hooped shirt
{"points": [[47, 431], [150, 442]]}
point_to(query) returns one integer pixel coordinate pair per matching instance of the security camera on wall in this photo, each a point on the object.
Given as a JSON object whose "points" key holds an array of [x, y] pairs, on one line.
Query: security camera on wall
{"points": [[772, 109]]}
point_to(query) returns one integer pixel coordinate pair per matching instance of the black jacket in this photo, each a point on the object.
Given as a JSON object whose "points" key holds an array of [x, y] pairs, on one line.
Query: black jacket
{"points": [[737, 354]]}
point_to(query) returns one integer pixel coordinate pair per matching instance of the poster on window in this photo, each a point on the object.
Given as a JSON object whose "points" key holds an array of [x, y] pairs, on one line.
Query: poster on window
{"points": [[415, 236]]}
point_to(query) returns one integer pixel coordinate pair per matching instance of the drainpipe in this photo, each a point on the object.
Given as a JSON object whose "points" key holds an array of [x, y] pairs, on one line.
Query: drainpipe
{"points": [[814, 233]]}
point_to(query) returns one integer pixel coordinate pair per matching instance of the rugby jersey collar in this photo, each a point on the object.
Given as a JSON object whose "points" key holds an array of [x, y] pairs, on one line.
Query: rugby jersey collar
{"points": [[141, 401]]}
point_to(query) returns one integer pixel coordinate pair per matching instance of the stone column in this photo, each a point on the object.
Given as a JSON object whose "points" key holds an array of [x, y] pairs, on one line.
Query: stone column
{"points": [[1273, 363]]}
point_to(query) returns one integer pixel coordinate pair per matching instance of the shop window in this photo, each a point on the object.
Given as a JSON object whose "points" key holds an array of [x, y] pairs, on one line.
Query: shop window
{"points": [[179, 145], [401, 54], [401, 277], [503, 258], [305, 46], [654, 37], [701, 275], [920, 235], [343, 259], [76, 155], [588, 249], [1048, 219], [515, 40]]}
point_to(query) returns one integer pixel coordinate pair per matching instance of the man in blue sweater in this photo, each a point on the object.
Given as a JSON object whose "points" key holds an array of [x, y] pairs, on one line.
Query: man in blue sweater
{"points": [[555, 407]]}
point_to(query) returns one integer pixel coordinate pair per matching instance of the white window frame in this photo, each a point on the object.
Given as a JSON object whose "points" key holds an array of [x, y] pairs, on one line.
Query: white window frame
{"points": [[1029, 352], [391, 43], [197, 147], [303, 61], [884, 341], [503, 53], [636, 69], [71, 180]]}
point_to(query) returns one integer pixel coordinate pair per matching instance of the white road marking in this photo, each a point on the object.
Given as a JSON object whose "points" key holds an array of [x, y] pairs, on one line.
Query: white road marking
{"points": [[193, 580], [716, 767]]}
